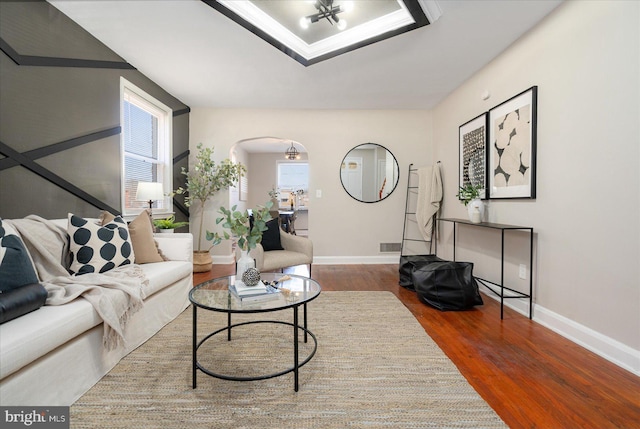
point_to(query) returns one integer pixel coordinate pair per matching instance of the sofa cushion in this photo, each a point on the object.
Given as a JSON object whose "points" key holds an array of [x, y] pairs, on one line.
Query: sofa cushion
{"points": [[144, 246], [16, 268], [106, 217], [161, 274], [33, 335], [96, 248], [141, 231], [175, 247], [271, 237]]}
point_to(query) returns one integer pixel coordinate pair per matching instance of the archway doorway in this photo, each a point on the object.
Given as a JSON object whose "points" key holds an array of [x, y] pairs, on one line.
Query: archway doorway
{"points": [[272, 174]]}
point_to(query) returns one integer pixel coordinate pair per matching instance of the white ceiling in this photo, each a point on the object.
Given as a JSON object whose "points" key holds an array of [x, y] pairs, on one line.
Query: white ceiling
{"points": [[206, 60]]}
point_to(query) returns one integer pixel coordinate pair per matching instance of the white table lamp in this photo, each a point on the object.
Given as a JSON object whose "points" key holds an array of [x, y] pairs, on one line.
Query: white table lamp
{"points": [[150, 192]]}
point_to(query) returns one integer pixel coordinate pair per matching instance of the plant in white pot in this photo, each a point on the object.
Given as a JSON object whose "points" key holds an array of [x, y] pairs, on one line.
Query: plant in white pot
{"points": [[205, 179], [168, 224], [274, 194], [247, 234], [469, 195]]}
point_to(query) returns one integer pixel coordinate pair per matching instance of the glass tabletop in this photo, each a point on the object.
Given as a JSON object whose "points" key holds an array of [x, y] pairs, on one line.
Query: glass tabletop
{"points": [[291, 290]]}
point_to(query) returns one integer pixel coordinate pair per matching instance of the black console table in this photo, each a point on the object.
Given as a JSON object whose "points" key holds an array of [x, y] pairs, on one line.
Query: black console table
{"points": [[498, 289]]}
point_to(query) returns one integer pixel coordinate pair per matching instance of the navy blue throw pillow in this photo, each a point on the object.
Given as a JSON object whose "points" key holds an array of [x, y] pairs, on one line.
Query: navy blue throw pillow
{"points": [[16, 269], [271, 237]]}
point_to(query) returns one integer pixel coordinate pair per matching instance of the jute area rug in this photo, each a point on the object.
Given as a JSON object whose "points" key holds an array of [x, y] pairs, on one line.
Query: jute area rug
{"points": [[375, 367]]}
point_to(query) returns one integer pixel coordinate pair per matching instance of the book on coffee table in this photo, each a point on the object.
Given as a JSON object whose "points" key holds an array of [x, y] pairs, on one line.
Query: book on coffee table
{"points": [[259, 291], [242, 289]]}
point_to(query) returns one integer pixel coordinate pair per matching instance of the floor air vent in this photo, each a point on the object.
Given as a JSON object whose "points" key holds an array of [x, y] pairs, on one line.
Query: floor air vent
{"points": [[389, 247]]}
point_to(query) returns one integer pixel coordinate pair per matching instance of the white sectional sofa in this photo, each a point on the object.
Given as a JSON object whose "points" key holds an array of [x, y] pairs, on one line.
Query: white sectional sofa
{"points": [[53, 355]]}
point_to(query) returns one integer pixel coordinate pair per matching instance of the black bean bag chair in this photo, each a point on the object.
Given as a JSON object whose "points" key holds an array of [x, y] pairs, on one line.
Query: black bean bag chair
{"points": [[446, 285]]}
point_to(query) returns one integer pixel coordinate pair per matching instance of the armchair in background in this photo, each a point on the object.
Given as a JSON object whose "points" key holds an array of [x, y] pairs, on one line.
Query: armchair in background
{"points": [[280, 250]]}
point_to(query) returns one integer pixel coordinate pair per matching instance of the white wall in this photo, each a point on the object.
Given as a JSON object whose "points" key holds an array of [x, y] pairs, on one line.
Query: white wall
{"points": [[240, 156], [585, 59], [342, 229]]}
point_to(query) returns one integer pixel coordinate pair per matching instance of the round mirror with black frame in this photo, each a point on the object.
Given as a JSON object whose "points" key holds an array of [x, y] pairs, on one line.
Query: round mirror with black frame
{"points": [[369, 173]]}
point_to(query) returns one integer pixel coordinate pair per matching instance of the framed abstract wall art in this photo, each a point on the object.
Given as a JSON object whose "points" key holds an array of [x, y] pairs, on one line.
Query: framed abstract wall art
{"points": [[473, 153], [512, 147]]}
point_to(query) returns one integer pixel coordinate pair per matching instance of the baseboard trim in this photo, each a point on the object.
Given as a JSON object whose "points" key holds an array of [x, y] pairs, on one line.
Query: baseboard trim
{"points": [[329, 260], [608, 348], [350, 260]]}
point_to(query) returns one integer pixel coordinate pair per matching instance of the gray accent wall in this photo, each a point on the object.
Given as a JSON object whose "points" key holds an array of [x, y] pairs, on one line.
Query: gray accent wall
{"points": [[60, 116]]}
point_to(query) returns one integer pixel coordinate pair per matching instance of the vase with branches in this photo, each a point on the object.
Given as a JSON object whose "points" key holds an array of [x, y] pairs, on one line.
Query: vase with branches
{"points": [[237, 225], [246, 229], [205, 179]]}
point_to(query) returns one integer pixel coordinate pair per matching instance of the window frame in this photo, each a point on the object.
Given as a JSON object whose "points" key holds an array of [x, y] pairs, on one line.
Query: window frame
{"points": [[281, 163], [140, 98]]}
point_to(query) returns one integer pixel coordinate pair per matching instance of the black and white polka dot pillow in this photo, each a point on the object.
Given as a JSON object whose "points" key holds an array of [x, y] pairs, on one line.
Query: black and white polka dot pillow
{"points": [[97, 249]]}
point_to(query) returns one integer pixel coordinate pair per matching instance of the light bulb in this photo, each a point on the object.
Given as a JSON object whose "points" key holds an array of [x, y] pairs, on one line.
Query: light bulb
{"points": [[304, 22], [342, 24]]}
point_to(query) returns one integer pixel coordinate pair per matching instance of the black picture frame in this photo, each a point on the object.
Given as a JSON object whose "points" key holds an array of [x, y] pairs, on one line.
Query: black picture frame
{"points": [[472, 144], [512, 147]]}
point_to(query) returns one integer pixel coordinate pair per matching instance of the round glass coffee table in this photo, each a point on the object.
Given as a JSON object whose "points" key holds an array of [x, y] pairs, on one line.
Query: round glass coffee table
{"points": [[214, 295]]}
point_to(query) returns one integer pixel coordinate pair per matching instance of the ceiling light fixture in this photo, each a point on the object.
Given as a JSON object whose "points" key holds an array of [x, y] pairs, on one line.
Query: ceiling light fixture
{"points": [[326, 10], [291, 153]]}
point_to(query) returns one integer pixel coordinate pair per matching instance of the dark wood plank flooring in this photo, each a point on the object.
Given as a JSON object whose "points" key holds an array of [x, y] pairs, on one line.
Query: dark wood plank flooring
{"points": [[531, 376]]}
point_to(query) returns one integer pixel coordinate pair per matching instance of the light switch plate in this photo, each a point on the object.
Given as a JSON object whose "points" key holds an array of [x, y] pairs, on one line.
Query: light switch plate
{"points": [[318, 193]]}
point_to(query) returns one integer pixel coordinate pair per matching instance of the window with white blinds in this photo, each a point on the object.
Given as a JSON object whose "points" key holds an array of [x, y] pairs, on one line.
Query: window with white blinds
{"points": [[146, 147], [293, 176]]}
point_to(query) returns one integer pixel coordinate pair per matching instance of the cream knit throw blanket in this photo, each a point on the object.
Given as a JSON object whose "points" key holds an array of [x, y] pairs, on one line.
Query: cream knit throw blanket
{"points": [[429, 198], [115, 294]]}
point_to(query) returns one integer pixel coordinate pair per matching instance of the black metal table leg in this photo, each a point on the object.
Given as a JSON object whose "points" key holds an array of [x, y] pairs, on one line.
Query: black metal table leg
{"points": [[531, 273], [295, 348], [305, 322], [194, 348], [229, 326], [454, 242]]}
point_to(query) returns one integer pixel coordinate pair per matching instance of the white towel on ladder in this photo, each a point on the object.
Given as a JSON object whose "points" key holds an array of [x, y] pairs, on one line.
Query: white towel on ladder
{"points": [[429, 198]]}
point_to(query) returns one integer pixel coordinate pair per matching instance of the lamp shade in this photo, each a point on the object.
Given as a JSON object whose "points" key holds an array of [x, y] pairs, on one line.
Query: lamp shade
{"points": [[149, 191]]}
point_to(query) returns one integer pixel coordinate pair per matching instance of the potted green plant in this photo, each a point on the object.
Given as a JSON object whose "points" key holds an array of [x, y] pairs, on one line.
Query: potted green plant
{"points": [[247, 234], [205, 179], [168, 224], [469, 195], [468, 192], [274, 194]]}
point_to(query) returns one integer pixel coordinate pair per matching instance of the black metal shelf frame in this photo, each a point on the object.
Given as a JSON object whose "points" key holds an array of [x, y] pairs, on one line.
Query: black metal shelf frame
{"points": [[492, 286], [408, 212]]}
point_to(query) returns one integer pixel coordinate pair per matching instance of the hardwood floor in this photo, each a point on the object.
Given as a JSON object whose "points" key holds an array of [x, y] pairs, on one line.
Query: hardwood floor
{"points": [[531, 376]]}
